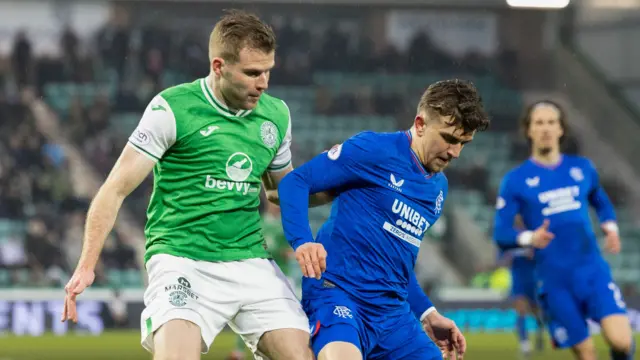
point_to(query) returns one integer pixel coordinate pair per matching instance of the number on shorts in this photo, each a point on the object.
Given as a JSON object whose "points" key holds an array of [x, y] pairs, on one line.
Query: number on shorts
{"points": [[617, 295]]}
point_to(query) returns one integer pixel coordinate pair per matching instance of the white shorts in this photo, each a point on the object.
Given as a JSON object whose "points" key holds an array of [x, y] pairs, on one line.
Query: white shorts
{"points": [[251, 296]]}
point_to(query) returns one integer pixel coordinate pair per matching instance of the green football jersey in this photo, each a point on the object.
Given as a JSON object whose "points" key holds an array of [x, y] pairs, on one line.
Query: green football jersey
{"points": [[207, 179]]}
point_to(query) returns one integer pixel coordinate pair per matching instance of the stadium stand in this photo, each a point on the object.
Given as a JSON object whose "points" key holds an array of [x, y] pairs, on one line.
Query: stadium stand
{"points": [[99, 95]]}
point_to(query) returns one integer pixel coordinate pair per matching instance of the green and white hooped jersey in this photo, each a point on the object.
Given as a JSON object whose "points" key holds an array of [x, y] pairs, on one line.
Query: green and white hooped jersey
{"points": [[207, 179]]}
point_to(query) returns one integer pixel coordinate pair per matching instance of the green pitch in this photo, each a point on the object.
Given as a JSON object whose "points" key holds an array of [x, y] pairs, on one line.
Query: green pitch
{"points": [[125, 346]]}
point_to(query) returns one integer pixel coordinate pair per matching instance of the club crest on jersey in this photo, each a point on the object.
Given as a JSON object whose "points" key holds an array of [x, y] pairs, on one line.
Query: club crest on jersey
{"points": [[576, 174], [269, 133]]}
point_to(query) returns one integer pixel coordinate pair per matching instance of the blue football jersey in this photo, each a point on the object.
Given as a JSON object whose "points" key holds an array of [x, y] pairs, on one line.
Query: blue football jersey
{"points": [[562, 194], [385, 202]]}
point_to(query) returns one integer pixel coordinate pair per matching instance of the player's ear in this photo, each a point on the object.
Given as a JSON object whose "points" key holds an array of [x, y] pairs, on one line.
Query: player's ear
{"points": [[419, 124], [216, 66]]}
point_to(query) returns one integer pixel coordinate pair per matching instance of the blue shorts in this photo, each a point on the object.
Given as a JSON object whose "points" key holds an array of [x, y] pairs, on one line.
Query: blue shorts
{"points": [[524, 286], [336, 316], [592, 295]]}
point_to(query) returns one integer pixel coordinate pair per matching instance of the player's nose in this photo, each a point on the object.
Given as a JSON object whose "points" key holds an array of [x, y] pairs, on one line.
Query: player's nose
{"points": [[262, 82], [454, 151]]}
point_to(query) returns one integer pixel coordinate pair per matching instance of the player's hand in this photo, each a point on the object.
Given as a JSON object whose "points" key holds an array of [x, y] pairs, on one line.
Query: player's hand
{"points": [[312, 258], [611, 241], [446, 335], [541, 236], [80, 280]]}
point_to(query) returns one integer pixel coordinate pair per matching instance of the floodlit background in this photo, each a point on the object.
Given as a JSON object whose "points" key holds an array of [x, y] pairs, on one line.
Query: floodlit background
{"points": [[75, 77]]}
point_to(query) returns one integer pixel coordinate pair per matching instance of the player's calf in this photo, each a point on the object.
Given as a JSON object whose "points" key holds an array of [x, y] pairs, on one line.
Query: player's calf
{"points": [[177, 340], [285, 344], [522, 309], [616, 331]]}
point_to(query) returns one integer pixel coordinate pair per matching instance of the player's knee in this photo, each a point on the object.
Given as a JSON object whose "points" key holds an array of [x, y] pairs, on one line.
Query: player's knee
{"points": [[521, 307], [616, 331], [585, 350], [177, 340], [621, 342], [286, 344]]}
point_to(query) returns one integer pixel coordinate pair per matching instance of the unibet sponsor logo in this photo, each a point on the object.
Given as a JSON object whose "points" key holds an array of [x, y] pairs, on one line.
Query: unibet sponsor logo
{"points": [[410, 226], [238, 169], [411, 220], [560, 200]]}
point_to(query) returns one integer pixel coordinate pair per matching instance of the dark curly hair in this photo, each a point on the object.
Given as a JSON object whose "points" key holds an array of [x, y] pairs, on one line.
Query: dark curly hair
{"points": [[460, 100]]}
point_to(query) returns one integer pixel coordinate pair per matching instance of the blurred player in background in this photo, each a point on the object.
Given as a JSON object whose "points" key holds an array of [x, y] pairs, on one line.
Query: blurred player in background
{"points": [[360, 290], [552, 193], [211, 145], [283, 256]]}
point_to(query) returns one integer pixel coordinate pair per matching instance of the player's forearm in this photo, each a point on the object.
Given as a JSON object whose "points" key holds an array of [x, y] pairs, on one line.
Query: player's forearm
{"points": [[101, 218], [318, 199], [293, 193], [603, 206], [420, 304], [507, 237]]}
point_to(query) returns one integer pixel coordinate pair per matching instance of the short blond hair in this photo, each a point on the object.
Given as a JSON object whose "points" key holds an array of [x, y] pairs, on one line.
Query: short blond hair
{"points": [[236, 30]]}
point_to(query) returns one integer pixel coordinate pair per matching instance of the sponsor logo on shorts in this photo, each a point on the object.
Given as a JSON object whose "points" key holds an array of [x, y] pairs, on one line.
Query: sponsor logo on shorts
{"points": [[560, 335], [181, 292]]}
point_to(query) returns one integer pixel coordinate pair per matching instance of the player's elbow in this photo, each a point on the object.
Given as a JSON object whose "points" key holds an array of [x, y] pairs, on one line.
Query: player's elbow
{"points": [[288, 182], [272, 196]]}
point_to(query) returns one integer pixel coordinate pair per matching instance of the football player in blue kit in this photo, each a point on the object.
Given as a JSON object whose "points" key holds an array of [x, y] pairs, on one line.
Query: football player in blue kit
{"points": [[360, 291], [552, 192]]}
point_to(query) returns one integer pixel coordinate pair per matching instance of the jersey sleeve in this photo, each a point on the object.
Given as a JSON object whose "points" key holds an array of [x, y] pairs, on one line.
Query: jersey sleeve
{"points": [[156, 131], [507, 207], [419, 302], [598, 198], [341, 166], [283, 157]]}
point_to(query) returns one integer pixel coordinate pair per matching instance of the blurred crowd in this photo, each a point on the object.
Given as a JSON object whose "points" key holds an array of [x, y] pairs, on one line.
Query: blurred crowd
{"points": [[35, 185]]}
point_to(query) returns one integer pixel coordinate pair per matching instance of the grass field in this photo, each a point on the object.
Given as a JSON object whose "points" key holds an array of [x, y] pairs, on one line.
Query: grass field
{"points": [[126, 346]]}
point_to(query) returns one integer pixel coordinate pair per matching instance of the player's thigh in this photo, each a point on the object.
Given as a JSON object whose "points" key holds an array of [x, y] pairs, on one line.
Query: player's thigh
{"points": [[178, 290], [340, 350], [616, 330], [404, 339], [271, 318], [285, 344], [335, 323], [566, 323], [607, 306], [177, 340]]}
